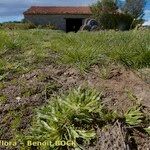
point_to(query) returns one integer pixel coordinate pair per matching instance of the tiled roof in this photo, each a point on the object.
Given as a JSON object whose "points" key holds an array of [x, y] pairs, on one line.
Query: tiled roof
{"points": [[39, 10]]}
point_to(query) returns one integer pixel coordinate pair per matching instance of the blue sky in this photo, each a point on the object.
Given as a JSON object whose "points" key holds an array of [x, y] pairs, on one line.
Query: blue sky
{"points": [[11, 10]]}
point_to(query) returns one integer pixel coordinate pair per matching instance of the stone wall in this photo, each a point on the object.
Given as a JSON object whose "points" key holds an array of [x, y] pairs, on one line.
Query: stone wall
{"points": [[57, 20]]}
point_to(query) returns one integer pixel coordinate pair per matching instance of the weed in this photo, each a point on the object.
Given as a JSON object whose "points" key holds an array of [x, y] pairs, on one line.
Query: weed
{"points": [[134, 116], [2, 85], [16, 121], [133, 98], [27, 91], [147, 130], [105, 72], [70, 117], [50, 88], [3, 98]]}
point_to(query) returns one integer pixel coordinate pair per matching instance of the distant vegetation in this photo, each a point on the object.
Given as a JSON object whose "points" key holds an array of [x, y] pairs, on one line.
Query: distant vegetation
{"points": [[24, 26], [111, 15]]}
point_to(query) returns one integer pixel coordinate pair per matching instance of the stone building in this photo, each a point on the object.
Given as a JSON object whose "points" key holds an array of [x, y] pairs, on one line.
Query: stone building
{"points": [[63, 18]]}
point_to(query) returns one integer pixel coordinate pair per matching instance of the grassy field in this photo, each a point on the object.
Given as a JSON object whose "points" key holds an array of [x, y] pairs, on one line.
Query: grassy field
{"points": [[76, 86], [20, 49]]}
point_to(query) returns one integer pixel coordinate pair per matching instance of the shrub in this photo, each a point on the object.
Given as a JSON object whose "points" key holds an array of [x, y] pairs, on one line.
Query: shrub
{"points": [[114, 20], [118, 21]]}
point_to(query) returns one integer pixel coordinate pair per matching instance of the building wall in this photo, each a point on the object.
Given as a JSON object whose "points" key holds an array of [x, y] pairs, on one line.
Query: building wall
{"points": [[57, 20]]}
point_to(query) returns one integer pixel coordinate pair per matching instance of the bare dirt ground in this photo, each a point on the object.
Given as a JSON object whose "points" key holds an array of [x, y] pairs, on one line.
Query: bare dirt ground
{"points": [[121, 90]]}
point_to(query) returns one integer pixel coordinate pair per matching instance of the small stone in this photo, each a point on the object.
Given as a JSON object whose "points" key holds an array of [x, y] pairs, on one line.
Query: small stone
{"points": [[18, 98]]}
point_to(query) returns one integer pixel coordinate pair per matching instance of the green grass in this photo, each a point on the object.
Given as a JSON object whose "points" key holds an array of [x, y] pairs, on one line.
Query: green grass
{"points": [[84, 49], [23, 50]]}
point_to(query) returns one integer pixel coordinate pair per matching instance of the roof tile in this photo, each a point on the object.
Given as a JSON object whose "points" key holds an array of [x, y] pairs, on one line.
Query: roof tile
{"points": [[40, 10]]}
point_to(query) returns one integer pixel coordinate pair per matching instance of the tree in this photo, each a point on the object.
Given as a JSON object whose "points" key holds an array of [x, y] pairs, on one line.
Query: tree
{"points": [[102, 11], [134, 8], [109, 6], [106, 12], [112, 15]]}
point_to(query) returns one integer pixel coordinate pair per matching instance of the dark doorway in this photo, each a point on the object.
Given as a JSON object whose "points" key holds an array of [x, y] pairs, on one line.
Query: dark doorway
{"points": [[73, 24]]}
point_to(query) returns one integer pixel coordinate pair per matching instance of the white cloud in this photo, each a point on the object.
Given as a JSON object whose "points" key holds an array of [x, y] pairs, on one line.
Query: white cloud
{"points": [[16, 7], [147, 23]]}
